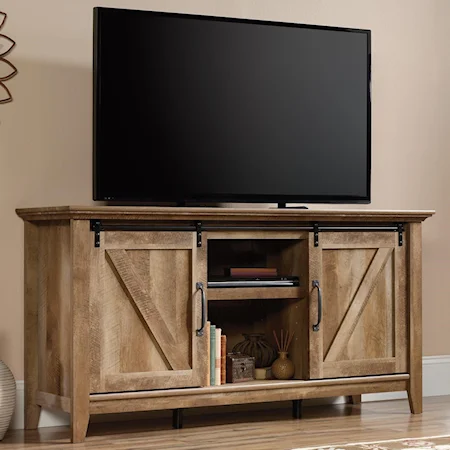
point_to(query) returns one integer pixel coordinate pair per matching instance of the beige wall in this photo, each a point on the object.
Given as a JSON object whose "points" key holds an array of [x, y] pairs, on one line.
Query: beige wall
{"points": [[45, 134]]}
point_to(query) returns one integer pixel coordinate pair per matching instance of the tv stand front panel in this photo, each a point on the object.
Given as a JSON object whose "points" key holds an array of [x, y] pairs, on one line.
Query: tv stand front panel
{"points": [[114, 316]]}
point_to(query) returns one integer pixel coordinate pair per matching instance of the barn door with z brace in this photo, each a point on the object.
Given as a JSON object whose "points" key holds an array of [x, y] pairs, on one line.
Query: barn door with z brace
{"points": [[360, 280], [146, 308]]}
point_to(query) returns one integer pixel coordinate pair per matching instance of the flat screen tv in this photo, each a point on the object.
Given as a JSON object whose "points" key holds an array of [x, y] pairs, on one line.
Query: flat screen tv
{"points": [[208, 109]]}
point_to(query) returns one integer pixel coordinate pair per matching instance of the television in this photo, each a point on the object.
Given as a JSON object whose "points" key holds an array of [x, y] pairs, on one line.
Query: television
{"points": [[191, 108]]}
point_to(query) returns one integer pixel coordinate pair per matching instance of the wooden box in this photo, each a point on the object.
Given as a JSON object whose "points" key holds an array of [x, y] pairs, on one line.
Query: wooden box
{"points": [[240, 368]]}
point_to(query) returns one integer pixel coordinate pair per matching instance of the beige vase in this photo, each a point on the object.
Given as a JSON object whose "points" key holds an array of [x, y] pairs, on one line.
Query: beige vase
{"points": [[7, 398]]}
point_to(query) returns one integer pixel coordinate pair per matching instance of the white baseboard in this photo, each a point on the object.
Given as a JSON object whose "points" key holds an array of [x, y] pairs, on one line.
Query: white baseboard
{"points": [[436, 382]]}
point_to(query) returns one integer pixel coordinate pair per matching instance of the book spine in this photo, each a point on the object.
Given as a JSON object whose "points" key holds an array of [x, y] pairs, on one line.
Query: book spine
{"points": [[223, 359], [208, 352], [218, 356], [212, 353]]}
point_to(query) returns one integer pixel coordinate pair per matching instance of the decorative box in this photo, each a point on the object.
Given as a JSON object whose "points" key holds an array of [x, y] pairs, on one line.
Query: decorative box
{"points": [[240, 368]]}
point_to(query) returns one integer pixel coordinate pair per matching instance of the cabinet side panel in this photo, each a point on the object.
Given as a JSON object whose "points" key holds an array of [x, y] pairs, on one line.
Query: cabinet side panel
{"points": [[414, 231], [31, 328], [54, 286]]}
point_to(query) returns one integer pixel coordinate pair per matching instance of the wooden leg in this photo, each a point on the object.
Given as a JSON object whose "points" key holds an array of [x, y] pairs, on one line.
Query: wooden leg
{"points": [[353, 399], [31, 305], [415, 397], [177, 419], [80, 377], [32, 414], [78, 427], [297, 409], [415, 317]]}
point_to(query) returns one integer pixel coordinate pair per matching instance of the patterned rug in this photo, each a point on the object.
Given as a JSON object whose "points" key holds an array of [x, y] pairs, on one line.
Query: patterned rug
{"points": [[425, 443]]}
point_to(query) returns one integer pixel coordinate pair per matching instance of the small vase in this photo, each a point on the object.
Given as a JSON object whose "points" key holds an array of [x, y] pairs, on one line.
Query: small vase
{"points": [[283, 367], [7, 398], [255, 345]]}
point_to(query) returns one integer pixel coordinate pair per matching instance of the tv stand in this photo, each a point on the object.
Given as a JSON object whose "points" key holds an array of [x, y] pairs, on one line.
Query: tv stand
{"points": [[116, 301], [284, 206]]}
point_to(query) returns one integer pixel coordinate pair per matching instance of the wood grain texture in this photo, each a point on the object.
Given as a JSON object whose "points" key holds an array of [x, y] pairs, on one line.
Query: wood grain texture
{"points": [[146, 311], [358, 303], [256, 385], [219, 214], [130, 240], [261, 427], [145, 306], [249, 293], [400, 316], [31, 308], [224, 395], [362, 239], [55, 278], [81, 247], [354, 367], [414, 232], [364, 320], [199, 267], [53, 401], [256, 234], [316, 338]]}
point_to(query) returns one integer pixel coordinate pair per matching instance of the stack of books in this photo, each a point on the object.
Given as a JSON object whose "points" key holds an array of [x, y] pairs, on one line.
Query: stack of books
{"points": [[216, 354]]}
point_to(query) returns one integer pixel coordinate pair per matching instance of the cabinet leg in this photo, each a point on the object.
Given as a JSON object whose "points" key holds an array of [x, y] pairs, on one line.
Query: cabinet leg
{"points": [[177, 419], [415, 398], [353, 399], [297, 409], [32, 414], [78, 427]]}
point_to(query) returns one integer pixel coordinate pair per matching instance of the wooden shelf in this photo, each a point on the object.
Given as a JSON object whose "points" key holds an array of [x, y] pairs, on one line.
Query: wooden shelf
{"points": [[256, 293], [255, 385]]}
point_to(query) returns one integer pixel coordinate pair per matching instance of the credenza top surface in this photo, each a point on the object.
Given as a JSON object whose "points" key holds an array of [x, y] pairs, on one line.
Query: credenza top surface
{"points": [[217, 214]]}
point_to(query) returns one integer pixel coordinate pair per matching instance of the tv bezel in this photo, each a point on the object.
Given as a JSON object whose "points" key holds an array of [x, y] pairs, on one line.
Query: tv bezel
{"points": [[229, 198]]}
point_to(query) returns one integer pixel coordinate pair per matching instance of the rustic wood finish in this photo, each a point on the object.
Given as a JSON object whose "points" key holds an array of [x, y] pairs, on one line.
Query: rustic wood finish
{"points": [[53, 401], [112, 328], [253, 392], [141, 311], [79, 376], [219, 214], [31, 327], [255, 293], [364, 325], [415, 317]]}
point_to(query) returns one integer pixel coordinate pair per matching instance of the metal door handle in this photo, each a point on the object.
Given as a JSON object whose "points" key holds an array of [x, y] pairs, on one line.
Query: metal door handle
{"points": [[315, 284], [200, 331]]}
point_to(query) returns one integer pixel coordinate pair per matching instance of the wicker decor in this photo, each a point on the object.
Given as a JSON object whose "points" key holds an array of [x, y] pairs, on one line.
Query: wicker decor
{"points": [[255, 345], [7, 397]]}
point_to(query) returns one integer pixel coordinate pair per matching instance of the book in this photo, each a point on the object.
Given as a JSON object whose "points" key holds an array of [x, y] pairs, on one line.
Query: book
{"points": [[218, 356], [223, 359], [212, 355], [208, 352], [244, 272]]}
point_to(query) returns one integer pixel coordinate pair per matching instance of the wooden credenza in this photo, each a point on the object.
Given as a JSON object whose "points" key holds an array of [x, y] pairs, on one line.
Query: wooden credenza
{"points": [[114, 316]]}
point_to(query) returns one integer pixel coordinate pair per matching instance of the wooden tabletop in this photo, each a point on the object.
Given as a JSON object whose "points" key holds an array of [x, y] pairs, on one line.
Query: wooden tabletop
{"points": [[153, 213]]}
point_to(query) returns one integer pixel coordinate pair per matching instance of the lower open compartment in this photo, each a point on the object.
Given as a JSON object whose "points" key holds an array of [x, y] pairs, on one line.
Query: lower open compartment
{"points": [[249, 327]]}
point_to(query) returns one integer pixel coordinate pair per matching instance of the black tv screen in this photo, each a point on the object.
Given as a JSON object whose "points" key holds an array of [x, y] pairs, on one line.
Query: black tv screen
{"points": [[206, 109]]}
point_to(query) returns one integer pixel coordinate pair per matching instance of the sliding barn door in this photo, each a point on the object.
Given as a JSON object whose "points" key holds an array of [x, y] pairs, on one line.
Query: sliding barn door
{"points": [[362, 281], [145, 310]]}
